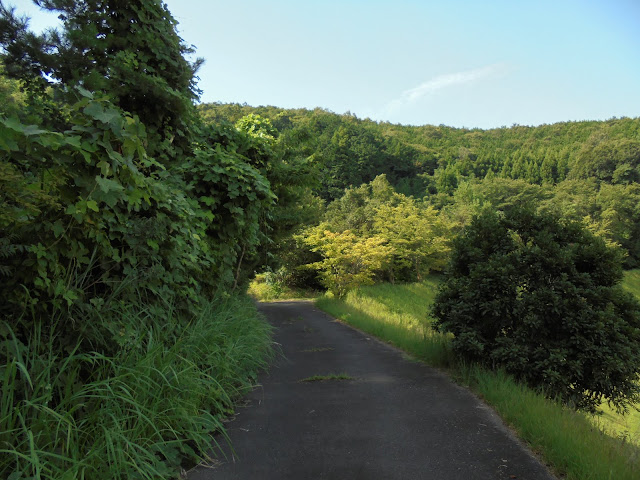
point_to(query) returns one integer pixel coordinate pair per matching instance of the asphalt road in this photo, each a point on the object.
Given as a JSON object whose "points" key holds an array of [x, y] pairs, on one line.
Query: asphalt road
{"points": [[394, 418]]}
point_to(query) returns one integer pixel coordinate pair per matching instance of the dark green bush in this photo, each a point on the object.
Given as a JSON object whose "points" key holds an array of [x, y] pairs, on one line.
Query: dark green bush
{"points": [[540, 297]]}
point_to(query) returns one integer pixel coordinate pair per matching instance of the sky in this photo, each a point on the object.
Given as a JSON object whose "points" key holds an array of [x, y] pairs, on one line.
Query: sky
{"points": [[461, 63]]}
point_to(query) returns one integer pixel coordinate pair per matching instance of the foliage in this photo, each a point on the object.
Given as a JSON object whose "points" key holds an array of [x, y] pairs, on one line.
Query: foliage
{"points": [[138, 413], [539, 297], [275, 285], [351, 151], [129, 49], [503, 166], [226, 176], [613, 160], [348, 261], [460, 171], [95, 216], [100, 200], [373, 231], [12, 100], [121, 217], [417, 236]]}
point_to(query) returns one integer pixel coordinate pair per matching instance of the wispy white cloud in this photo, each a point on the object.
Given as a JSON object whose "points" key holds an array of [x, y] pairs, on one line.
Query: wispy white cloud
{"points": [[442, 82]]}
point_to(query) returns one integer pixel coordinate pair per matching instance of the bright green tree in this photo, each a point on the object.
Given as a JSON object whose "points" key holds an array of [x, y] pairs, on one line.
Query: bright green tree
{"points": [[416, 234], [348, 261]]}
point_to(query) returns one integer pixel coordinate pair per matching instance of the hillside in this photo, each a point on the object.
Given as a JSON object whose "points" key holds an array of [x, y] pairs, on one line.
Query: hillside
{"points": [[587, 171]]}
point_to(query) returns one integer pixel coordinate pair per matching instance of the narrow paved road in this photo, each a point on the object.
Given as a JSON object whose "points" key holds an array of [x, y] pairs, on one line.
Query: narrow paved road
{"points": [[393, 419]]}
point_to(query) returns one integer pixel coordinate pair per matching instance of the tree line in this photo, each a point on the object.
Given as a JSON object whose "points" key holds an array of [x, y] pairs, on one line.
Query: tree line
{"points": [[586, 171]]}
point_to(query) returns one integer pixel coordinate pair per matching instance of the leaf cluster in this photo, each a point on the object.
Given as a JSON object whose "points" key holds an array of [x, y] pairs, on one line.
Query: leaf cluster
{"points": [[461, 170]]}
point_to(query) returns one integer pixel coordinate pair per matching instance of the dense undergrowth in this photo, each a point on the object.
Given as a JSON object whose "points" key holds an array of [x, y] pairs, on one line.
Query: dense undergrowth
{"points": [[144, 412], [127, 230], [576, 445]]}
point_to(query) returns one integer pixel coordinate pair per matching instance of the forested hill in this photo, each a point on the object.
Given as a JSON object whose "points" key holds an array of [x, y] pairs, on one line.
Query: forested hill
{"points": [[435, 159], [587, 171]]}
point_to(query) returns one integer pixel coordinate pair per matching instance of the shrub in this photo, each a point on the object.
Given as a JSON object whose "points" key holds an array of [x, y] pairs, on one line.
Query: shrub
{"points": [[540, 297]]}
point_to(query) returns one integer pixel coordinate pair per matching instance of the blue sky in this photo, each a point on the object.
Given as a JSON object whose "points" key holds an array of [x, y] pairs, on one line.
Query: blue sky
{"points": [[460, 63]]}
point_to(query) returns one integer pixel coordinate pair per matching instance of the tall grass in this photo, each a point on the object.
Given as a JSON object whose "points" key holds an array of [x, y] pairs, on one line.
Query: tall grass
{"points": [[398, 314], [137, 415], [569, 441]]}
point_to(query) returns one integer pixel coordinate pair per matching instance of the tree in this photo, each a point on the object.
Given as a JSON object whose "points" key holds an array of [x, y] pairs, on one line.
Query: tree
{"points": [[290, 177], [355, 210], [540, 297], [124, 182], [129, 49], [620, 212], [348, 260], [613, 160], [416, 235], [12, 100]]}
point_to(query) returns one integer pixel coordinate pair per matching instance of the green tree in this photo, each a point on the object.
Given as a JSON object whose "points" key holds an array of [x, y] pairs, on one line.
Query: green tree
{"points": [[355, 210], [549, 168], [540, 297], [129, 49], [348, 261], [417, 236], [505, 193], [126, 182], [12, 99], [613, 160], [619, 215], [291, 178]]}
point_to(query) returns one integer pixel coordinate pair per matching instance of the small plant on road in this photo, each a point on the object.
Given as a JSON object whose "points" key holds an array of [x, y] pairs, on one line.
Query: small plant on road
{"points": [[317, 349], [331, 376]]}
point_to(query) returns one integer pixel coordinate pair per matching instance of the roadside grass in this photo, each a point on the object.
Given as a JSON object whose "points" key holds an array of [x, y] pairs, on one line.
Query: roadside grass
{"points": [[398, 314], [572, 443], [568, 441], [138, 414], [626, 427]]}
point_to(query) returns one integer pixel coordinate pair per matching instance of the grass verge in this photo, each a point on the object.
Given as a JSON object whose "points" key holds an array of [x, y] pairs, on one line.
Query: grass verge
{"points": [[568, 441], [398, 314], [138, 414]]}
